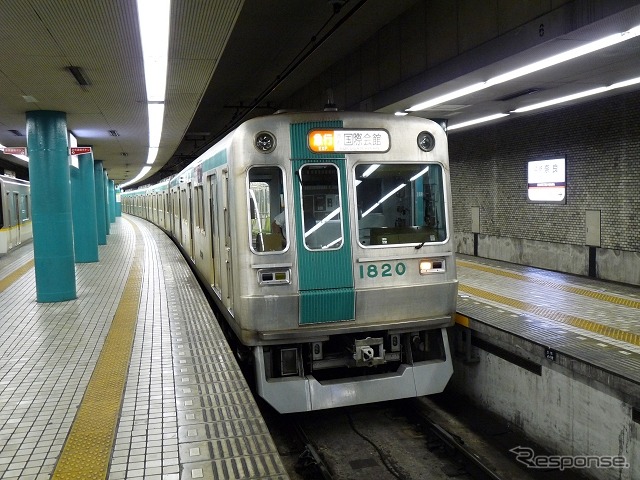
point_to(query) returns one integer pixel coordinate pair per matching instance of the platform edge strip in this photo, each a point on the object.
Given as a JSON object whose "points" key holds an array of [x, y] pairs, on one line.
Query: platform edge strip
{"points": [[552, 315], [585, 292], [87, 450], [7, 281]]}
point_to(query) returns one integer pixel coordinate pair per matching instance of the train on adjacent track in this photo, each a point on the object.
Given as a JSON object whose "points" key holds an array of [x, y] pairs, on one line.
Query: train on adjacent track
{"points": [[326, 241], [15, 213]]}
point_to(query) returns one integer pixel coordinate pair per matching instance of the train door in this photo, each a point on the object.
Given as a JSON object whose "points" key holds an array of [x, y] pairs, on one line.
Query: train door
{"points": [[215, 234], [192, 219], [228, 252], [14, 233], [325, 268]]}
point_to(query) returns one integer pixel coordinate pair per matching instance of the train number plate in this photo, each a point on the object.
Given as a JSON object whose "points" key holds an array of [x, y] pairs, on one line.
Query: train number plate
{"points": [[383, 270]]}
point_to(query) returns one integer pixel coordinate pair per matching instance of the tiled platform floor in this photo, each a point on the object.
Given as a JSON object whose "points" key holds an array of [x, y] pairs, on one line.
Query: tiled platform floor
{"points": [[176, 387], [595, 321]]}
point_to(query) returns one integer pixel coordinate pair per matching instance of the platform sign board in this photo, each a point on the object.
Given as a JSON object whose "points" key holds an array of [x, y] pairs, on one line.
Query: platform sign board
{"points": [[79, 150], [547, 180], [15, 150]]}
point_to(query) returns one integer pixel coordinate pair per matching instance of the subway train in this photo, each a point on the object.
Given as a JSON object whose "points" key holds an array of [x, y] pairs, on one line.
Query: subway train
{"points": [[15, 213], [326, 241]]}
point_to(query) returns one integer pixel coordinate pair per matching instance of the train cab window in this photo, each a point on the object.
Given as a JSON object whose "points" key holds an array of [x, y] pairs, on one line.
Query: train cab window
{"points": [[268, 217], [400, 204], [321, 206]]}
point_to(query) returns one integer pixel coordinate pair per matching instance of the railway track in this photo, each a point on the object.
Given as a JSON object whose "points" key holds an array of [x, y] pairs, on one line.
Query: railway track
{"points": [[407, 440]]}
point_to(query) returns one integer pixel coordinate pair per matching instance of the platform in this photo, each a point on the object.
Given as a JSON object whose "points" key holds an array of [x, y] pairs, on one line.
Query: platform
{"points": [[133, 379], [557, 357], [571, 318]]}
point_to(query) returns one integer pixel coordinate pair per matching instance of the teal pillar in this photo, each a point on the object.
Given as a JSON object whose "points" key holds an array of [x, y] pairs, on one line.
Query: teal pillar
{"points": [[118, 203], [112, 201], [48, 146], [98, 175], [83, 204], [107, 220]]}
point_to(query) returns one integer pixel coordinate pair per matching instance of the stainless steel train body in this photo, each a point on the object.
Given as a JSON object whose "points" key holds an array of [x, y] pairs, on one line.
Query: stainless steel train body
{"points": [[349, 304], [15, 213]]}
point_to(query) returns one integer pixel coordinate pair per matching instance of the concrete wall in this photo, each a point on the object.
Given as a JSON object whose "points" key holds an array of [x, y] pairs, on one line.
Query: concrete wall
{"points": [[601, 143], [564, 413]]}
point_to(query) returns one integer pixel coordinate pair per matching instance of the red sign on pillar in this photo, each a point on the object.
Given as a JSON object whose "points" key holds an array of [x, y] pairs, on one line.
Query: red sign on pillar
{"points": [[15, 150], [80, 150]]}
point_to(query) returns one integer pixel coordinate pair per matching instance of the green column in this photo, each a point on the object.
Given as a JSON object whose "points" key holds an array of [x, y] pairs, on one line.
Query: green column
{"points": [[98, 172], [107, 221], [48, 147], [83, 203], [112, 201]]}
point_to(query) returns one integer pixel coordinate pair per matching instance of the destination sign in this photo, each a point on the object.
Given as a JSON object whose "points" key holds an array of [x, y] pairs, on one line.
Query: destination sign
{"points": [[345, 141]]}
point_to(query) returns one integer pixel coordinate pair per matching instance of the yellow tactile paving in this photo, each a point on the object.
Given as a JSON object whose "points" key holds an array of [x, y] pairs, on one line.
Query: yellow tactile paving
{"points": [[550, 314], [87, 451], [7, 281], [603, 296]]}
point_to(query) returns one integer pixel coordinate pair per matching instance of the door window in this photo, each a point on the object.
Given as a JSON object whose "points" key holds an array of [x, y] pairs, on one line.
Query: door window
{"points": [[321, 206]]}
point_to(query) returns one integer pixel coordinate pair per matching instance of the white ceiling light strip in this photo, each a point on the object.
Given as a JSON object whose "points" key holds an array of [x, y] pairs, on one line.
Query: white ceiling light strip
{"points": [[488, 118], [586, 93], [154, 22], [533, 67]]}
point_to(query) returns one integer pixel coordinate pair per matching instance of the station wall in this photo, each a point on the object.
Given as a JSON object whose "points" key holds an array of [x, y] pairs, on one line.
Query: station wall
{"points": [[600, 141]]}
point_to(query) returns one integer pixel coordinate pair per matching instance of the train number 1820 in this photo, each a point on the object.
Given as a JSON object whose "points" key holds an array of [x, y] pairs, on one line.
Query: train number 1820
{"points": [[384, 270]]}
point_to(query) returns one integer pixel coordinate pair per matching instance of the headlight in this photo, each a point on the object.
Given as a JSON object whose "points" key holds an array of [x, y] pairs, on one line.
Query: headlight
{"points": [[426, 142], [430, 265], [265, 142]]}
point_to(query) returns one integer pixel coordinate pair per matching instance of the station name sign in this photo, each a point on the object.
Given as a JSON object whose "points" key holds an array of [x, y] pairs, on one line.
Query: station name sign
{"points": [[347, 141], [547, 180]]}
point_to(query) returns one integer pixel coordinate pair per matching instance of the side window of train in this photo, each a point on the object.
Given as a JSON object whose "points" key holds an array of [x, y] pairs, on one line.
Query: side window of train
{"points": [[400, 204], [266, 208], [199, 204], [321, 206]]}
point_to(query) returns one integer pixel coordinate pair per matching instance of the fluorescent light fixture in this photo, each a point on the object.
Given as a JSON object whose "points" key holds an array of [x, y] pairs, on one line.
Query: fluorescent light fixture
{"points": [[478, 120], [156, 116], [400, 114], [574, 96], [626, 83], [533, 67], [391, 192], [383, 199], [555, 101], [154, 21], [449, 96], [151, 156], [370, 170], [332, 215], [419, 174], [142, 173]]}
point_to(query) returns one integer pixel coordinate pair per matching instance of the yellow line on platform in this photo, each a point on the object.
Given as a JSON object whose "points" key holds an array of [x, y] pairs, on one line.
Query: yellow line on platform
{"points": [[550, 314], [7, 281], [605, 297], [87, 451]]}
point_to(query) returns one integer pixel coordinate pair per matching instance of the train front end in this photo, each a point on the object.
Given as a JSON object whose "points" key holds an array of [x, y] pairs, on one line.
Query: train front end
{"points": [[352, 281]]}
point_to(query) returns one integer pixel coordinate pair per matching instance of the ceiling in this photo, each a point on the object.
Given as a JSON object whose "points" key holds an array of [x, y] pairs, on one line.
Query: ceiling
{"points": [[230, 60]]}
